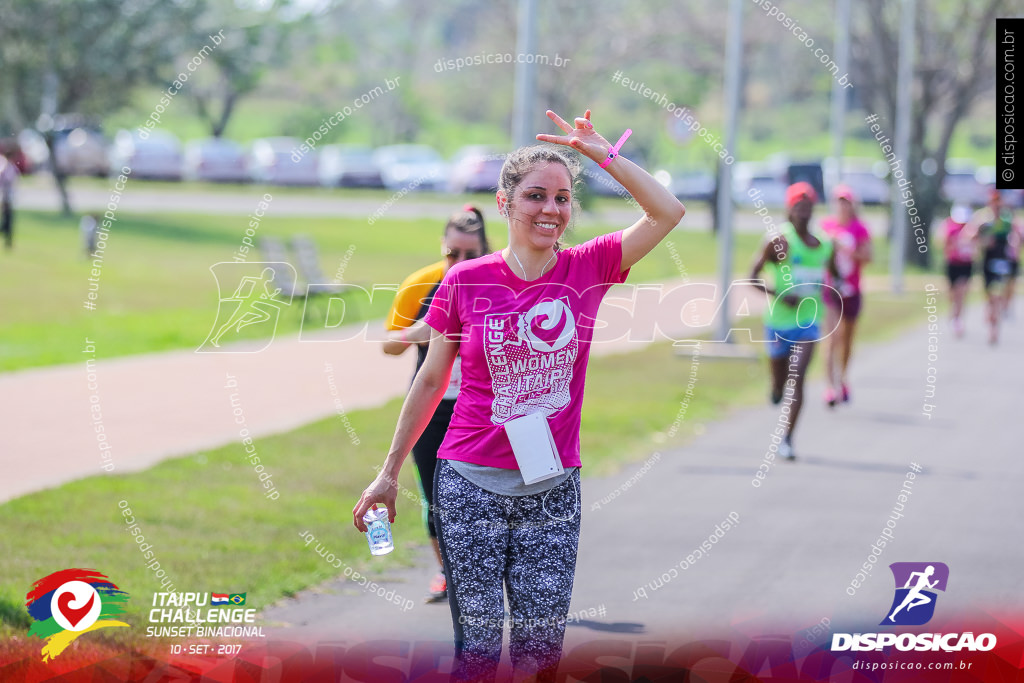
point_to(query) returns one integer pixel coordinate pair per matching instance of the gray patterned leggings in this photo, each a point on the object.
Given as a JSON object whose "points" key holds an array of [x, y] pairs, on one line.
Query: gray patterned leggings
{"points": [[526, 544]]}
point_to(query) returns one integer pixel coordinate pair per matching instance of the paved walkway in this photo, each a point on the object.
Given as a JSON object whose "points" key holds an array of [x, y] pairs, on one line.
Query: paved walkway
{"points": [[157, 406], [802, 535]]}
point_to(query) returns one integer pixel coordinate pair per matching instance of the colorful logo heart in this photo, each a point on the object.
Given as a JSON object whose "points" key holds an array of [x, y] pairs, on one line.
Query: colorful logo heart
{"points": [[76, 605], [74, 616], [548, 326], [69, 603]]}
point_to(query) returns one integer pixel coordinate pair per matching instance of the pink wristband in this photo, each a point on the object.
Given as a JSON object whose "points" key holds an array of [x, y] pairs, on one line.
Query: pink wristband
{"points": [[614, 151]]}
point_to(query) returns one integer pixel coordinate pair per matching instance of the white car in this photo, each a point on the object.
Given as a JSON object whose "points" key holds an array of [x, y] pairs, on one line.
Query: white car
{"points": [[749, 177], [80, 150], [281, 161], [961, 186], [348, 166], [864, 176], [416, 167], [476, 168], [215, 159], [157, 156]]}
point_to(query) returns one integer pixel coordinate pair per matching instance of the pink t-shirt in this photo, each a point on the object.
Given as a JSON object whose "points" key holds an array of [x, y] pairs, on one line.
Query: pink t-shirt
{"points": [[847, 238], [958, 249], [524, 346]]}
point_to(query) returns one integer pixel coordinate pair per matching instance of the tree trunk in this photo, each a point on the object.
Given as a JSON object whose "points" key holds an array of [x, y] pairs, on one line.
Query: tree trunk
{"points": [[926, 196], [59, 179], [225, 114], [713, 202]]}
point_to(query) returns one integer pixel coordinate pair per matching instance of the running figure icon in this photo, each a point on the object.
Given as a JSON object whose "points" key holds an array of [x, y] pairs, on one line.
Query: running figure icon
{"points": [[253, 303], [915, 597]]}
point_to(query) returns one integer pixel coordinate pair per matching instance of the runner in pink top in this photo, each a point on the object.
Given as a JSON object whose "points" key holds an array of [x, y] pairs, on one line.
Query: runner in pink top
{"points": [[960, 250], [522, 321], [524, 346], [852, 245]]}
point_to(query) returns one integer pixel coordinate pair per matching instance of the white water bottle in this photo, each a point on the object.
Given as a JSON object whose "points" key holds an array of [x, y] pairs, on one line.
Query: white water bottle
{"points": [[378, 531]]}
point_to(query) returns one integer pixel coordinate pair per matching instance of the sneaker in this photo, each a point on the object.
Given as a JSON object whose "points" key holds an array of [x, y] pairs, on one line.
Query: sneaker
{"points": [[438, 589], [786, 451], [830, 398], [846, 393], [776, 397]]}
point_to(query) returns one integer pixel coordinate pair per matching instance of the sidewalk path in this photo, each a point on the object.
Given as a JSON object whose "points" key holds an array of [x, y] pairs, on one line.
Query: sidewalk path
{"points": [[802, 535], [158, 406]]}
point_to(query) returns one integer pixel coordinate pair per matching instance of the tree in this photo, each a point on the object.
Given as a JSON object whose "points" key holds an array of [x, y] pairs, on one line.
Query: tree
{"points": [[954, 67], [253, 42], [83, 57]]}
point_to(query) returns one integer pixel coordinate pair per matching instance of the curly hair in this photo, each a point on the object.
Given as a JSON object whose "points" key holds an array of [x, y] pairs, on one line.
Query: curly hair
{"points": [[525, 159]]}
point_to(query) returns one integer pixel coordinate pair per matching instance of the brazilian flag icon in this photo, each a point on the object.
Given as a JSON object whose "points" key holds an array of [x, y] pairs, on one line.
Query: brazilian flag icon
{"points": [[237, 598]]}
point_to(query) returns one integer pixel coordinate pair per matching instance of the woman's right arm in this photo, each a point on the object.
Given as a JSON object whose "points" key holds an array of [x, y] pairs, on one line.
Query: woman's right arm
{"points": [[397, 341], [427, 390]]}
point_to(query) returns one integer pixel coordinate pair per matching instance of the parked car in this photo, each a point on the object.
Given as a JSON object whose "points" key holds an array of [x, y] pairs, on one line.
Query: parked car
{"points": [[810, 172], [476, 168], [417, 167], [688, 184], [348, 166], [79, 147], [961, 186], [33, 146], [279, 161], [216, 160], [156, 156], [81, 151], [986, 175], [865, 177], [12, 149], [750, 176]]}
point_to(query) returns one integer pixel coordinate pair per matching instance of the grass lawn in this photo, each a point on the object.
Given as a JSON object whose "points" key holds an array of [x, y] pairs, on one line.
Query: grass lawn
{"points": [[156, 291], [212, 529]]}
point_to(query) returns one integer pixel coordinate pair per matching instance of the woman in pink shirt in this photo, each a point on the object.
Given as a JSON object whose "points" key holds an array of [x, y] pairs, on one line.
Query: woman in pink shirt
{"points": [[843, 298], [960, 250], [522, 321]]}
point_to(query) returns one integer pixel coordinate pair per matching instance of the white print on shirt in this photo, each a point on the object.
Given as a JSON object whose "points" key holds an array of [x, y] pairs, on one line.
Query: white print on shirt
{"points": [[530, 356], [846, 245]]}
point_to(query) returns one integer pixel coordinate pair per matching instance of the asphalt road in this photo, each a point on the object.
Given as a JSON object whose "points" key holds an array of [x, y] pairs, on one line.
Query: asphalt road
{"points": [[802, 535]]}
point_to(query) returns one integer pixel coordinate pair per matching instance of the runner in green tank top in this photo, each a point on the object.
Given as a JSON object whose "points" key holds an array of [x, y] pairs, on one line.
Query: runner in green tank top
{"points": [[797, 261]]}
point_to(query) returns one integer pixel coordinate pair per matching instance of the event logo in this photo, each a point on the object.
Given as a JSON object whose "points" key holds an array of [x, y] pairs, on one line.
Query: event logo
{"points": [[916, 583], [69, 603], [254, 301], [548, 326]]}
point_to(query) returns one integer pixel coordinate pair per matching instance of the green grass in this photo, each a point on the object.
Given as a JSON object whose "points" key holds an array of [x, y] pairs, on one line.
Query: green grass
{"points": [[156, 291], [212, 529]]}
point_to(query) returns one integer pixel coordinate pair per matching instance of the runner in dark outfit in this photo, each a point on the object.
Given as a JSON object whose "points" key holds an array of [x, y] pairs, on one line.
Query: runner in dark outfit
{"points": [[1000, 242]]}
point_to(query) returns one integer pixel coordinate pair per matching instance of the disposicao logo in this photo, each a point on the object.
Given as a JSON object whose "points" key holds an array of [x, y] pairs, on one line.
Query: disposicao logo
{"points": [[916, 583], [72, 602], [913, 605]]}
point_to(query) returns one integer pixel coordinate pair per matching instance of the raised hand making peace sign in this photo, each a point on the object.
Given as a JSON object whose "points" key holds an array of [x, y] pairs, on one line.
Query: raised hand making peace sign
{"points": [[582, 137]]}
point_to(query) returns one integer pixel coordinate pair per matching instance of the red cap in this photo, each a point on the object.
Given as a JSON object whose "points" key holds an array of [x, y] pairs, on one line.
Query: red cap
{"points": [[798, 191], [844, 192]]}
